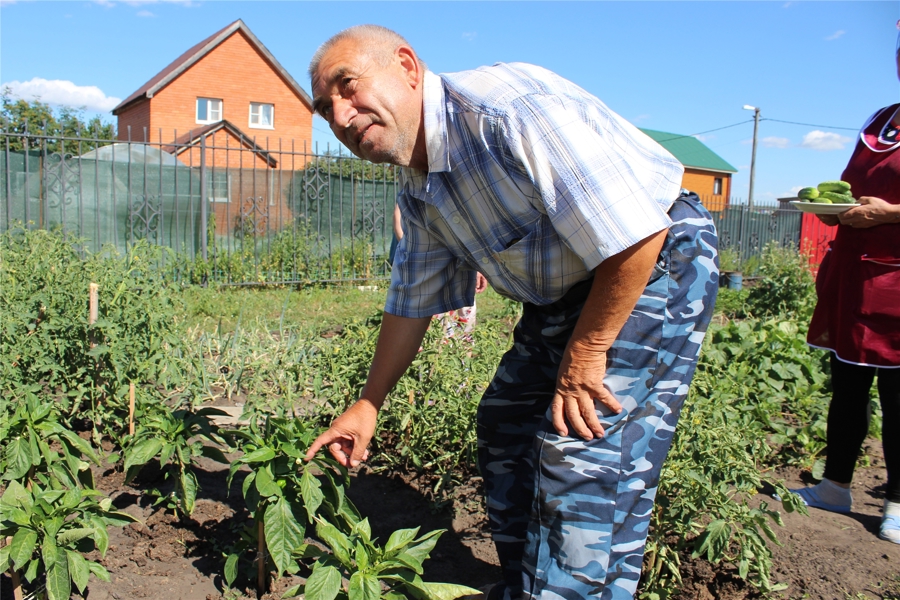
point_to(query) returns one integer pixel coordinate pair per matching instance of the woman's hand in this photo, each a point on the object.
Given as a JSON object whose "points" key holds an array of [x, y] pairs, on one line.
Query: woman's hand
{"points": [[830, 220], [871, 212]]}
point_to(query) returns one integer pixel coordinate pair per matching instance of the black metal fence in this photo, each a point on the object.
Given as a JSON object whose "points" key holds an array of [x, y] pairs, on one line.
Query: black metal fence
{"points": [[237, 212]]}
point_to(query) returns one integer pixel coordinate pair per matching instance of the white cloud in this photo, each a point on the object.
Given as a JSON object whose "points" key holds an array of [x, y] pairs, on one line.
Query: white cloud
{"points": [[776, 142], [640, 118], [135, 3], [836, 35], [145, 13], [63, 93], [824, 141], [705, 138], [469, 35]]}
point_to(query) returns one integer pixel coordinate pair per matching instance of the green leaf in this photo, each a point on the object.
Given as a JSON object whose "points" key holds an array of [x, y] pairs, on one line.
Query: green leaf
{"points": [[99, 571], [18, 459], [15, 496], [59, 584], [231, 564], [78, 569], [311, 492], [265, 485], [101, 535], [364, 587], [49, 552], [323, 584], [399, 539], [187, 490], [364, 530], [422, 547], [142, 452], [22, 547], [362, 556], [260, 455], [447, 591], [283, 533], [714, 541], [4, 558], [80, 444], [337, 541], [73, 535]]}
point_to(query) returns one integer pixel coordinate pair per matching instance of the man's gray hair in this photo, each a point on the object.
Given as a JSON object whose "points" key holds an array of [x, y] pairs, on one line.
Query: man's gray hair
{"points": [[380, 44]]}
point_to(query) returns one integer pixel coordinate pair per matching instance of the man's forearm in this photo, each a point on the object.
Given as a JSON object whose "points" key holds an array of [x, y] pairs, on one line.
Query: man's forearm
{"points": [[398, 342], [618, 283]]}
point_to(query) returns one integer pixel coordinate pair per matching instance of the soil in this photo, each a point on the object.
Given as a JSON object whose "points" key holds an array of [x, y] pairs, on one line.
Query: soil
{"points": [[824, 555]]}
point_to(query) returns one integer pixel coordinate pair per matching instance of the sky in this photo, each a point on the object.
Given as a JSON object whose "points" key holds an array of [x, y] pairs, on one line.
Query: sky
{"points": [[816, 70]]}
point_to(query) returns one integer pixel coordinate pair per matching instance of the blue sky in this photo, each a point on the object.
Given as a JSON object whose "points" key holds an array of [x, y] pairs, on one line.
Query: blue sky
{"points": [[681, 67]]}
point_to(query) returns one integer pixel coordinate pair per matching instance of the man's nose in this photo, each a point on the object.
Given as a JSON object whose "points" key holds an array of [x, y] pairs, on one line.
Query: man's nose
{"points": [[343, 111]]}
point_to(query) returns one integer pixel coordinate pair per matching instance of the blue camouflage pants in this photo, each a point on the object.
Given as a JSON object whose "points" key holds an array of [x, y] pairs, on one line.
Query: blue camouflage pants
{"points": [[569, 517]]}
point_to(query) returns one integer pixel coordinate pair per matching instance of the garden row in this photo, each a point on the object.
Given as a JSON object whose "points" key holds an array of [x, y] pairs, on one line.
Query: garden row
{"points": [[67, 383]]}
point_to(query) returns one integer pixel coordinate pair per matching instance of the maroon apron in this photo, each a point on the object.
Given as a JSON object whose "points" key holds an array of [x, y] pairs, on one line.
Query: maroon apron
{"points": [[858, 312]]}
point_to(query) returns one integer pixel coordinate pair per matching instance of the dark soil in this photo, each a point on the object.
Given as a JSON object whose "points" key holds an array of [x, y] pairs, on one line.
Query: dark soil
{"points": [[824, 555]]}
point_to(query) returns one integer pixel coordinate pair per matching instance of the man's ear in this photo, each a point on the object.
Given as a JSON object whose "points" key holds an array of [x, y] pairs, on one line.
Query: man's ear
{"points": [[410, 65]]}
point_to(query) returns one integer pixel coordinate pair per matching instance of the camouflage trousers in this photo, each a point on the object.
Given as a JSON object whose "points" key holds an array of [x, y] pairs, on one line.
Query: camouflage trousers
{"points": [[569, 517]]}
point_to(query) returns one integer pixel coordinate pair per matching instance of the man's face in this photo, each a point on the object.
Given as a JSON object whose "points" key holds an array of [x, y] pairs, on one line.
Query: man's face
{"points": [[370, 108]]}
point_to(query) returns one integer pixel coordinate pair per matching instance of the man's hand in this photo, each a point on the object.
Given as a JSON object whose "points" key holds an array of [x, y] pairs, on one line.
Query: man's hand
{"points": [[618, 283], [578, 387], [481, 283], [349, 435], [873, 211]]}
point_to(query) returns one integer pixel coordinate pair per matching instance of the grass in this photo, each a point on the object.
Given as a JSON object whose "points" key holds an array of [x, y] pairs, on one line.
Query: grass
{"points": [[315, 308]]}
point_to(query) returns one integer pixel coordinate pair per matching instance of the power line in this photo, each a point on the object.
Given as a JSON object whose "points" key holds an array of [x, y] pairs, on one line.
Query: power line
{"points": [[678, 137], [811, 125]]}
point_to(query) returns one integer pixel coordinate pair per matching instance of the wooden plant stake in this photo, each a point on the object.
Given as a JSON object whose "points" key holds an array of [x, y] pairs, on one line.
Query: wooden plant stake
{"points": [[93, 313], [261, 559], [14, 577], [131, 408], [94, 305]]}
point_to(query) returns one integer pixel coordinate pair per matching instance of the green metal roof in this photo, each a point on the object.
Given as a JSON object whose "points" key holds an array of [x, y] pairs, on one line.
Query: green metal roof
{"points": [[690, 151]]}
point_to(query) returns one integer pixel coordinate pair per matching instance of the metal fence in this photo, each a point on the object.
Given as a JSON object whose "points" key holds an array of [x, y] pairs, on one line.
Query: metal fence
{"points": [[238, 212]]}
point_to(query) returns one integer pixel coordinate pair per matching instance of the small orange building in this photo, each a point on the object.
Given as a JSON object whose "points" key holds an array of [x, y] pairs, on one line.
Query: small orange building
{"points": [[705, 172], [230, 100]]}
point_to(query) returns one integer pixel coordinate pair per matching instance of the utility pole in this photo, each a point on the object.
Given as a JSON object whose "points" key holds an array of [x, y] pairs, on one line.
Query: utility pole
{"points": [[753, 156]]}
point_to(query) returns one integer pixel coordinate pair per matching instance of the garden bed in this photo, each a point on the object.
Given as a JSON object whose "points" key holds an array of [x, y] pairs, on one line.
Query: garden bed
{"points": [[162, 558]]}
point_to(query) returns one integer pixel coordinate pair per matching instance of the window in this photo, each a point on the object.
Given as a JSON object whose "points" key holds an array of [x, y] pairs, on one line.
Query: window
{"points": [[209, 110], [717, 186], [218, 186], [262, 115]]}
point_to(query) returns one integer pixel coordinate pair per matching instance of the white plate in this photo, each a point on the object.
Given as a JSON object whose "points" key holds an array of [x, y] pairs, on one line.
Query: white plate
{"points": [[821, 209]]}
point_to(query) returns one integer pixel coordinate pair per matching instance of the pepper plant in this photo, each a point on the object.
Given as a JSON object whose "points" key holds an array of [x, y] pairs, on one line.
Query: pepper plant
{"points": [[36, 446], [50, 529], [176, 437], [284, 493], [371, 571]]}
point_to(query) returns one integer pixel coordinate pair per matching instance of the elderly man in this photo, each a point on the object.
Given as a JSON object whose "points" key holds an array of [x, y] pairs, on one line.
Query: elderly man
{"points": [[516, 173]]}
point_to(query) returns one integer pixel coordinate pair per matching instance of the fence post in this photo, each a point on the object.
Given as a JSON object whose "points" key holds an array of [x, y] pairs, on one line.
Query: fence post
{"points": [[203, 198]]}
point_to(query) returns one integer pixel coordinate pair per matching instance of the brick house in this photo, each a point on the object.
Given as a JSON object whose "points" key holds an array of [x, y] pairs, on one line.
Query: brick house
{"points": [[229, 94], [705, 172]]}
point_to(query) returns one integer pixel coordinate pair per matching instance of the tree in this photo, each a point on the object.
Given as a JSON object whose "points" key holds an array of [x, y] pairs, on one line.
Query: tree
{"points": [[34, 123]]}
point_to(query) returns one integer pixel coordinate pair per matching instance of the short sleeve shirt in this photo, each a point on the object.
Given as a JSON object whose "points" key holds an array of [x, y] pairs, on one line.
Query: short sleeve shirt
{"points": [[531, 181]]}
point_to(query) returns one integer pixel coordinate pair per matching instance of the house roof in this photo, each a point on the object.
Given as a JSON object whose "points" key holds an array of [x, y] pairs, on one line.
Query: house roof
{"points": [[690, 151], [197, 52], [192, 138]]}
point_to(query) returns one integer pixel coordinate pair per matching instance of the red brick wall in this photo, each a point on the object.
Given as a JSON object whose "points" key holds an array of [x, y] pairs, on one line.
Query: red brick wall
{"points": [[138, 117], [237, 74]]}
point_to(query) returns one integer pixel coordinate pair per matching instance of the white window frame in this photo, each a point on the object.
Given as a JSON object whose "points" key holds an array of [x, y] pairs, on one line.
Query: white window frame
{"points": [[215, 193], [718, 182], [209, 111], [257, 125]]}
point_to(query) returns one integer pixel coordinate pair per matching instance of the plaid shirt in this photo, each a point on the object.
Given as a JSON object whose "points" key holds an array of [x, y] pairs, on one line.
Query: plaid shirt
{"points": [[531, 181]]}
